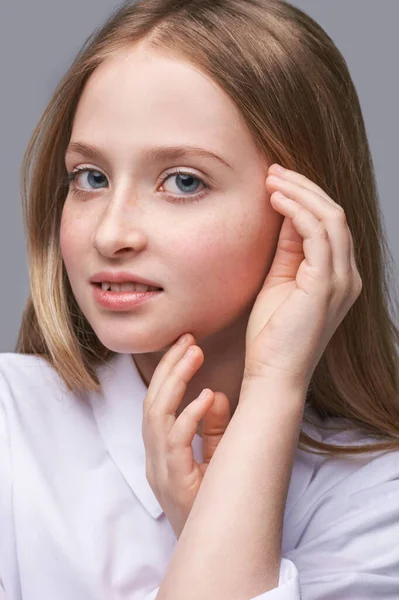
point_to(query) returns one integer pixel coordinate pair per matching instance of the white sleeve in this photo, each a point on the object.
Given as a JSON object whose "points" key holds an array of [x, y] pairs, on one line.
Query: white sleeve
{"points": [[288, 584], [349, 549]]}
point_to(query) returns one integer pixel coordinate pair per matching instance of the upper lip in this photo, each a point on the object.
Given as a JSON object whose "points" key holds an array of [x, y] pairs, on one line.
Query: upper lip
{"points": [[121, 277]]}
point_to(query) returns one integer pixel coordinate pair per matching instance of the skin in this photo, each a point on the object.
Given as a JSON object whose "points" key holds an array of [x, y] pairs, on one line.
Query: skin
{"points": [[211, 256]]}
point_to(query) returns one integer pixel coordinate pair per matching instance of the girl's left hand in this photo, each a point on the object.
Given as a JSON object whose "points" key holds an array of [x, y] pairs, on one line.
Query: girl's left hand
{"points": [[310, 287]]}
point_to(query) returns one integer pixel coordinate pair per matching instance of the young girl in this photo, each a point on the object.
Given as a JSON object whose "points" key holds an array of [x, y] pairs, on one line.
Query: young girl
{"points": [[119, 479]]}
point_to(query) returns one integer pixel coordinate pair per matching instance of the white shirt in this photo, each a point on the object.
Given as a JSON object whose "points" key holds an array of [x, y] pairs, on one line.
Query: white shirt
{"points": [[79, 520]]}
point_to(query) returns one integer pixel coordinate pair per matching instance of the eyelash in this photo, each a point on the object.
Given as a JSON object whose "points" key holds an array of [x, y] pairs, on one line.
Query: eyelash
{"points": [[69, 181]]}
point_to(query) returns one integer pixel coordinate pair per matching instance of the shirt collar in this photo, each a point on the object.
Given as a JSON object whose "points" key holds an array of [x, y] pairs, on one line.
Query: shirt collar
{"points": [[118, 410]]}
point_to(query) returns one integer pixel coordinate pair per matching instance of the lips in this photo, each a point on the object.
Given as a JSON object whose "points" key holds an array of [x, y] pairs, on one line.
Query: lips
{"points": [[128, 286], [122, 301], [122, 277]]}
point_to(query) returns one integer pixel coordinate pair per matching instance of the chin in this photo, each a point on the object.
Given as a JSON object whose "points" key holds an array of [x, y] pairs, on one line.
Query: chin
{"points": [[130, 344]]}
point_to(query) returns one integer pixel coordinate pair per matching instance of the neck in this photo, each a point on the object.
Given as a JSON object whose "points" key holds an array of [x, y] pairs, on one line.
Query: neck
{"points": [[221, 371]]}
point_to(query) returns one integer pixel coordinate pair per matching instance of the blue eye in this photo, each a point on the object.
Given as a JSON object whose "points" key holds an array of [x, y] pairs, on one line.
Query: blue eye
{"points": [[186, 179], [93, 175], [95, 179]]}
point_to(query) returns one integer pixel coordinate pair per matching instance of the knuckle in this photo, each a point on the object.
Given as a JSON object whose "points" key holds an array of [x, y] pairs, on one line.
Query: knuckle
{"points": [[301, 179], [326, 294], [178, 372], [340, 214], [322, 231], [346, 288], [170, 443], [180, 367], [152, 416], [358, 284]]}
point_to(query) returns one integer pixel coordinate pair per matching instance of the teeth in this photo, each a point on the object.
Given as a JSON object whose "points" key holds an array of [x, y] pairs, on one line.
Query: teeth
{"points": [[127, 287]]}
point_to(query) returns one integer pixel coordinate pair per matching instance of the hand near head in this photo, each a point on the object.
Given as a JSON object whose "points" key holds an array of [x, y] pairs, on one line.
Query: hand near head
{"points": [[173, 473], [311, 285]]}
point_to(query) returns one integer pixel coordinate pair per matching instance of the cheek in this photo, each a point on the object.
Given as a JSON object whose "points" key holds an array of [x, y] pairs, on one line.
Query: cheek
{"points": [[71, 240], [228, 263]]}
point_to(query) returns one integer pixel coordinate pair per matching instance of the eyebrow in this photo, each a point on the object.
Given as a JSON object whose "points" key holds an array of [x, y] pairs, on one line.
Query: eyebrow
{"points": [[156, 153]]}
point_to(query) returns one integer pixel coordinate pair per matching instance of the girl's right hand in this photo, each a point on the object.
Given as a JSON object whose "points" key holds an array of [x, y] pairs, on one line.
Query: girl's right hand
{"points": [[172, 472]]}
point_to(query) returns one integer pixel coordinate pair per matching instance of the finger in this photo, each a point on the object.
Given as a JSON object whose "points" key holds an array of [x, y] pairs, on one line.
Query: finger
{"points": [[296, 177], [186, 425], [318, 262], [331, 215], [215, 423], [164, 367], [180, 456], [307, 183], [173, 388]]}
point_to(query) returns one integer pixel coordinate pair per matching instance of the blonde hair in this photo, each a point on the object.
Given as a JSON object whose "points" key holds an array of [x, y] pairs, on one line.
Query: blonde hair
{"points": [[293, 87]]}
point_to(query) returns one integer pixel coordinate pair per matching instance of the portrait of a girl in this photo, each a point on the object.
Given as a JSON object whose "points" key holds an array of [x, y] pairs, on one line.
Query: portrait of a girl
{"points": [[202, 402]]}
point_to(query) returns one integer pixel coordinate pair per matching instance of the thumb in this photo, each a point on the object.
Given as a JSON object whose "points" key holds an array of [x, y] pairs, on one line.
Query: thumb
{"points": [[214, 424]]}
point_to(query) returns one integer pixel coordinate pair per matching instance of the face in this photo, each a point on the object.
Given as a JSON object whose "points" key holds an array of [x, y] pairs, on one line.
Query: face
{"points": [[207, 236]]}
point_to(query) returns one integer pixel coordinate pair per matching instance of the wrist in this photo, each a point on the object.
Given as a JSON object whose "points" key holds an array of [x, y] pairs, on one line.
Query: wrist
{"points": [[274, 388]]}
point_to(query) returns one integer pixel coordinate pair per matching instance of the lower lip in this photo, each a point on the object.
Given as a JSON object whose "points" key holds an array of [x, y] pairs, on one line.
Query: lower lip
{"points": [[121, 301]]}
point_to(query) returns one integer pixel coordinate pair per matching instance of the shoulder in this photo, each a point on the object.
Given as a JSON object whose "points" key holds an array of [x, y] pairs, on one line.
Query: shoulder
{"points": [[342, 520], [14, 366], [26, 372], [29, 384], [345, 489], [350, 472]]}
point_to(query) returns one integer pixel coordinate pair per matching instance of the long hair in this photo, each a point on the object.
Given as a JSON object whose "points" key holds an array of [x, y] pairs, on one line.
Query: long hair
{"points": [[294, 90]]}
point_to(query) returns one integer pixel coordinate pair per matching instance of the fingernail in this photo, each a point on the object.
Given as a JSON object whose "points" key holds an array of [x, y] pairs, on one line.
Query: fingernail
{"points": [[278, 168], [182, 340]]}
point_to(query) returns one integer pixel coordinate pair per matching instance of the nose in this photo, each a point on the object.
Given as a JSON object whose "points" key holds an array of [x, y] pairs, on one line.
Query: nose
{"points": [[118, 230]]}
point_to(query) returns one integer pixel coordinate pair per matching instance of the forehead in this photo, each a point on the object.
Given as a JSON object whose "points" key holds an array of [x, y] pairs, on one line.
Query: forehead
{"points": [[141, 92]]}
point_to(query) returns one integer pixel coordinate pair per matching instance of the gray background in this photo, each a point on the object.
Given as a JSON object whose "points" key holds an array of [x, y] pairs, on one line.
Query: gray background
{"points": [[39, 39]]}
